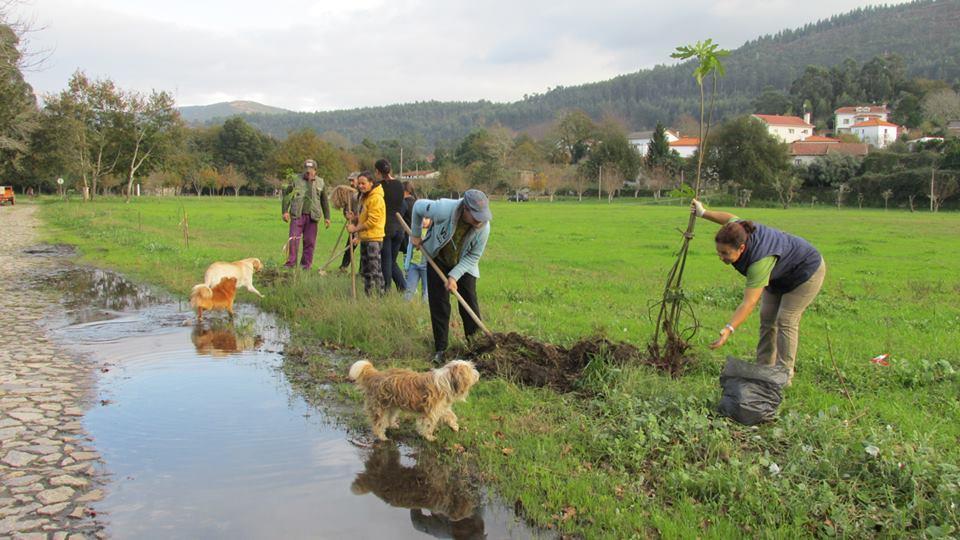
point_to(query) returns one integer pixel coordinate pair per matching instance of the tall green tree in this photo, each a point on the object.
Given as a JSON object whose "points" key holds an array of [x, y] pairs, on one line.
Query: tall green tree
{"points": [[148, 126], [742, 151], [18, 106], [305, 144], [243, 146]]}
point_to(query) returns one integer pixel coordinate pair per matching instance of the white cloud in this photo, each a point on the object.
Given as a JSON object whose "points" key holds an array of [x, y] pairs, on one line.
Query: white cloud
{"points": [[317, 55]]}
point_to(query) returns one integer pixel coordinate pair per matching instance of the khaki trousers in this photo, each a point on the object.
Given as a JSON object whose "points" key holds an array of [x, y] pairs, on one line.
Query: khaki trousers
{"points": [[780, 321]]}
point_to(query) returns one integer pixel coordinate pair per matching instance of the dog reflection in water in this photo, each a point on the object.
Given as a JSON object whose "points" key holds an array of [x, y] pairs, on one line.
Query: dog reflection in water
{"points": [[217, 340], [441, 502]]}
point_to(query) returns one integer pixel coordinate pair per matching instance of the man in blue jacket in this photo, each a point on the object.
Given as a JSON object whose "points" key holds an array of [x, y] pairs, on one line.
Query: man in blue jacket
{"points": [[455, 240]]}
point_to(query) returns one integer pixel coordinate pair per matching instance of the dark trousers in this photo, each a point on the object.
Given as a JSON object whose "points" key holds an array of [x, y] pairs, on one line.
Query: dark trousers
{"points": [[439, 299], [302, 227], [391, 271], [345, 263]]}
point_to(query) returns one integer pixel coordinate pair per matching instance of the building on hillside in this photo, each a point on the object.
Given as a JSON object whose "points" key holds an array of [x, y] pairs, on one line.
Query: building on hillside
{"points": [[787, 129], [641, 139], [844, 118], [923, 140], [685, 146], [419, 175], [806, 151], [879, 133]]}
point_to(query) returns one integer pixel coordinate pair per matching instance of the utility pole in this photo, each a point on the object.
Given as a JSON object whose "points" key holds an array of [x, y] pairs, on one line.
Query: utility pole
{"points": [[600, 183], [933, 171], [401, 162]]}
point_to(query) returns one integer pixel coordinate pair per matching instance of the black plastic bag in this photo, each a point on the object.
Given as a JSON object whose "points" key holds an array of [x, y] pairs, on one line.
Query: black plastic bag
{"points": [[751, 392]]}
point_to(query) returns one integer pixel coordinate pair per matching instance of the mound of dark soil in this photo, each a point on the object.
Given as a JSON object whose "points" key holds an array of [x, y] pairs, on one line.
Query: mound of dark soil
{"points": [[534, 363]]}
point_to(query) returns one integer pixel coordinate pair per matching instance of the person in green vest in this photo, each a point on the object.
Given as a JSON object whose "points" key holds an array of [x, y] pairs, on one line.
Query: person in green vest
{"points": [[303, 205]]}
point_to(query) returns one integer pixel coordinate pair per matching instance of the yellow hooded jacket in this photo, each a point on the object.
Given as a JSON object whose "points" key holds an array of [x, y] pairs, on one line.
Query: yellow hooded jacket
{"points": [[373, 216]]}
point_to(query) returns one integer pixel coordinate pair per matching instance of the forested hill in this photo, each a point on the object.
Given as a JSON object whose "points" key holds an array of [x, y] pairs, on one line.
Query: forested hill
{"points": [[923, 33]]}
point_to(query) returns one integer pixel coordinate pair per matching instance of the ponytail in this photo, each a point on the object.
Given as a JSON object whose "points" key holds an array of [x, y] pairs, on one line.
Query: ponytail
{"points": [[735, 233]]}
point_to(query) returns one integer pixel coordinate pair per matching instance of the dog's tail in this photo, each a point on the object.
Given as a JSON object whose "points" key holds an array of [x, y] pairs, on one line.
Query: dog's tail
{"points": [[198, 292], [360, 368]]}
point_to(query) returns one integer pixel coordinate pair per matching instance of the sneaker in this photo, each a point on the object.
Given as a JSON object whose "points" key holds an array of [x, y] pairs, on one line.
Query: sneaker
{"points": [[439, 357]]}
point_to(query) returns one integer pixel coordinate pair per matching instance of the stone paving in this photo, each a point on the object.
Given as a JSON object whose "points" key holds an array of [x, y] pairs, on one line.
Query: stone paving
{"points": [[48, 467]]}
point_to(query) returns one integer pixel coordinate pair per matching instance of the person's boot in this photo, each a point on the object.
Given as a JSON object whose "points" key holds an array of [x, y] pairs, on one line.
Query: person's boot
{"points": [[439, 357]]}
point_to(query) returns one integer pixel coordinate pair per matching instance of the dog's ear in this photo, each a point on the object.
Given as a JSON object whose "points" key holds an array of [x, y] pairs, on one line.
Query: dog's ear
{"points": [[455, 379]]}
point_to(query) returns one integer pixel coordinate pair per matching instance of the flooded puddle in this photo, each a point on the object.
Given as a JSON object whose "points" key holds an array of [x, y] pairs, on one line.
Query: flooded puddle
{"points": [[202, 436]]}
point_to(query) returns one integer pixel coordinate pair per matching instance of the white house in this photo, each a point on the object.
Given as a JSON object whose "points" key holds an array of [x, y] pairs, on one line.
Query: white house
{"points": [[685, 146], [641, 139], [846, 117], [787, 128], [877, 132]]}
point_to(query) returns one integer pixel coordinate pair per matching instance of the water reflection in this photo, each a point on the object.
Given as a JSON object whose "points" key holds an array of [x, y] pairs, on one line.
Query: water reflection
{"points": [[220, 339], [442, 503], [92, 294]]}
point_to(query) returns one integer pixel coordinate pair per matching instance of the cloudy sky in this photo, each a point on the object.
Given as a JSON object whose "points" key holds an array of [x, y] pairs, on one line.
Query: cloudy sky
{"points": [[323, 54]]}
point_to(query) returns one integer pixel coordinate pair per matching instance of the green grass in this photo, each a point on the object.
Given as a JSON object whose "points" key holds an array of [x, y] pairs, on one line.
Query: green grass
{"points": [[641, 454]]}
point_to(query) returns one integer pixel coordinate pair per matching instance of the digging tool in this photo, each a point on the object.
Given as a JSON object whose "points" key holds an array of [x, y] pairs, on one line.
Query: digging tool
{"points": [[443, 276], [333, 252]]}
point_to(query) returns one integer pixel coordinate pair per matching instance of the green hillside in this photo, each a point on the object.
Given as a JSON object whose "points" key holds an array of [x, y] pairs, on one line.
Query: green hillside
{"points": [[923, 33], [204, 113]]}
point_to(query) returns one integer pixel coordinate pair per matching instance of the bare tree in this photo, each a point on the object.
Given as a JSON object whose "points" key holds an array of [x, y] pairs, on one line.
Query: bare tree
{"points": [[886, 198], [786, 186], [841, 191], [230, 176], [612, 181], [941, 189]]}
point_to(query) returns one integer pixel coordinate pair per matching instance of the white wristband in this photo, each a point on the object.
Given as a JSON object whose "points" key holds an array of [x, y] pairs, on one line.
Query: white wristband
{"points": [[730, 327]]}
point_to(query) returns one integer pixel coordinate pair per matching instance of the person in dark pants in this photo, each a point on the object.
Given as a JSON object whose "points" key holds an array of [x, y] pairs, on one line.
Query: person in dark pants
{"points": [[455, 240], [303, 206], [393, 239]]}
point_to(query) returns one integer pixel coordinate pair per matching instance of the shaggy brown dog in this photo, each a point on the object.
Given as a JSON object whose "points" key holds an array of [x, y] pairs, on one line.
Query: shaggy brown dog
{"points": [[243, 270], [219, 297], [429, 395]]}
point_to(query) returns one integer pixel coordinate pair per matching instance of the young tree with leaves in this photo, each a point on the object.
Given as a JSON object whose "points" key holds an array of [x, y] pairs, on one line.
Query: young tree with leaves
{"points": [[669, 351]]}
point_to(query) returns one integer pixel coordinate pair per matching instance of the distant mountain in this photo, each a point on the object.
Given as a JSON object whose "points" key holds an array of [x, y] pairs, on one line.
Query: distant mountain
{"points": [[923, 33], [205, 113]]}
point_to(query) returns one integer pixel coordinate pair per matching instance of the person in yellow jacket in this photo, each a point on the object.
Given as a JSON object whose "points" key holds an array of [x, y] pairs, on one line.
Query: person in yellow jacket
{"points": [[370, 226]]}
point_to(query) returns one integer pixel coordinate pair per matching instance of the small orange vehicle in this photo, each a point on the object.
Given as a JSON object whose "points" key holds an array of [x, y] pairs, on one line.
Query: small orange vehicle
{"points": [[6, 195]]}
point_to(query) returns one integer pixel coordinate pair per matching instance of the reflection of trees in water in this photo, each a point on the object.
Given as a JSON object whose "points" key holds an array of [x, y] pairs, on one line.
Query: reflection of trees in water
{"points": [[223, 339], [87, 288], [441, 502]]}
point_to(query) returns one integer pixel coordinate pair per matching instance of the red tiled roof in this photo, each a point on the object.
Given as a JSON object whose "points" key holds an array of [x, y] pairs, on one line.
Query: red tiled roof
{"points": [[853, 110], [686, 141], [875, 122], [777, 120], [822, 149], [820, 139]]}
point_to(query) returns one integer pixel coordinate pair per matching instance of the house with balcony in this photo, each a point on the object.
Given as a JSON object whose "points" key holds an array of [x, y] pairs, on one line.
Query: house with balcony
{"points": [[845, 118]]}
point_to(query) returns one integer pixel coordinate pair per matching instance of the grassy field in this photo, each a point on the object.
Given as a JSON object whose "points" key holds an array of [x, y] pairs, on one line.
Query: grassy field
{"points": [[641, 454]]}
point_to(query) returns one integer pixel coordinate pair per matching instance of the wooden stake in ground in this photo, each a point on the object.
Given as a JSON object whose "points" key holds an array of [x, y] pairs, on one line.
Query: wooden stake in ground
{"points": [[443, 276], [353, 274]]}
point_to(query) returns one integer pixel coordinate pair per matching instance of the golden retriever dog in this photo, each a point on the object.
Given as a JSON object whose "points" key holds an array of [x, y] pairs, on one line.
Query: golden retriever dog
{"points": [[429, 395], [220, 296], [243, 270]]}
